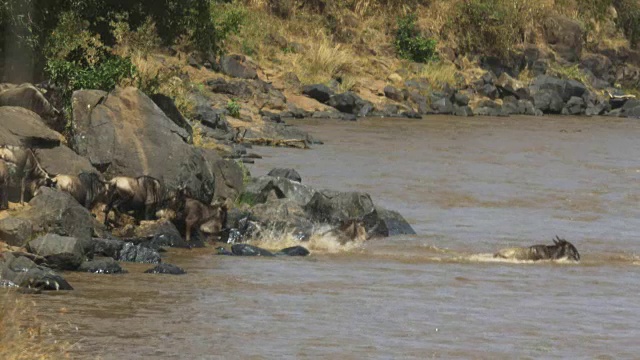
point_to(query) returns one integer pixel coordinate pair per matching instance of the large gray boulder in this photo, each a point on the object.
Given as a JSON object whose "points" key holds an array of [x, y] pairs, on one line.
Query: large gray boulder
{"points": [[258, 190], [319, 92], [22, 127], [237, 66], [25, 273], [286, 173], [125, 133], [29, 97], [105, 265], [347, 102], [548, 101], [62, 160], [334, 207], [54, 211], [228, 174], [61, 252], [395, 223], [15, 231]]}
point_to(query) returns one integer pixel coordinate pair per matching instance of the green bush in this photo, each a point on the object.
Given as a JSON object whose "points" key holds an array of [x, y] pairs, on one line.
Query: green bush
{"points": [[233, 108], [410, 44]]}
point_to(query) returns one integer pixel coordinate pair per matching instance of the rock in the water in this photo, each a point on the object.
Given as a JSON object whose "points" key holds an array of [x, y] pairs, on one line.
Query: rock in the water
{"points": [[105, 265], [395, 222], [223, 251], [237, 66], [25, 273], [334, 207], [56, 212], [160, 233], [138, 253], [249, 250], [259, 189], [124, 133], [286, 173], [294, 251], [166, 269], [319, 92], [548, 101], [61, 252]]}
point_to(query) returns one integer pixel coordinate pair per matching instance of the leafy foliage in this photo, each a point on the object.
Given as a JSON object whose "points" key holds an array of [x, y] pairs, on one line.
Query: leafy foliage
{"points": [[629, 19], [233, 108], [410, 44]]}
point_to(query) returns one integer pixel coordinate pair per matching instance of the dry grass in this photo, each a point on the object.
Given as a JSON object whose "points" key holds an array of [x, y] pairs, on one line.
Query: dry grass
{"points": [[23, 335], [439, 73]]}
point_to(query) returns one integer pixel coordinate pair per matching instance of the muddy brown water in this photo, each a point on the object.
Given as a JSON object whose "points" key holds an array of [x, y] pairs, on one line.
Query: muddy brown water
{"points": [[469, 187]]}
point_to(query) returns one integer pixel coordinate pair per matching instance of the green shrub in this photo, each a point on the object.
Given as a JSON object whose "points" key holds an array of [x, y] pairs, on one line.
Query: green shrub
{"points": [[108, 72], [410, 44], [233, 108]]}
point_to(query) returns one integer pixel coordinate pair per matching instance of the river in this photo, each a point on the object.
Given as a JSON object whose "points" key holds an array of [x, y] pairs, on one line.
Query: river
{"points": [[469, 186]]}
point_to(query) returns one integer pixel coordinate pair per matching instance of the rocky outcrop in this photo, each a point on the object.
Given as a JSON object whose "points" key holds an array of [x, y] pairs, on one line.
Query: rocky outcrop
{"points": [[565, 35], [259, 189], [286, 173], [170, 109], [60, 252], [51, 211], [29, 97], [319, 92], [62, 160], [249, 250], [237, 66], [125, 133], [228, 174], [22, 127], [334, 207], [23, 272], [166, 269], [394, 222], [105, 265], [294, 251]]}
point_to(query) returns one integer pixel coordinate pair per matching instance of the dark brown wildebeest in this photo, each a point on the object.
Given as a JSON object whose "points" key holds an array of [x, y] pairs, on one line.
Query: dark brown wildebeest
{"points": [[27, 168], [188, 213], [143, 193], [87, 188], [4, 185], [560, 249]]}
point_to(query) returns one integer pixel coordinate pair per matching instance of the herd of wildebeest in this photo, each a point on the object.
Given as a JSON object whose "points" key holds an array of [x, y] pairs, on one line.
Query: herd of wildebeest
{"points": [[143, 196], [146, 198]]}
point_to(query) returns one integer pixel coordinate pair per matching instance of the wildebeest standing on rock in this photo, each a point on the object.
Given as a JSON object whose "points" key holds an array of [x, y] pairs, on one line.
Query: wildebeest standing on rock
{"points": [[143, 193], [4, 185], [191, 214], [561, 249], [87, 188], [32, 176]]}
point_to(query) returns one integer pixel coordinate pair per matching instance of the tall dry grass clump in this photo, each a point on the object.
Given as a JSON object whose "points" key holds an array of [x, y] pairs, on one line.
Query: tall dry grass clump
{"points": [[23, 336]]}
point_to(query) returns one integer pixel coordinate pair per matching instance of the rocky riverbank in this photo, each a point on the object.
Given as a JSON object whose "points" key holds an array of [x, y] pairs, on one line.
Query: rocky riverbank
{"points": [[126, 133]]}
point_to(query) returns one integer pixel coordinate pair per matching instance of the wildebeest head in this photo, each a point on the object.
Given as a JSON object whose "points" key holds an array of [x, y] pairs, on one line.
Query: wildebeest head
{"points": [[566, 249]]}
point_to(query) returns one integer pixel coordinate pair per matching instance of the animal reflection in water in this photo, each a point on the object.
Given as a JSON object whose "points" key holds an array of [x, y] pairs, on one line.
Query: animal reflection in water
{"points": [[561, 249]]}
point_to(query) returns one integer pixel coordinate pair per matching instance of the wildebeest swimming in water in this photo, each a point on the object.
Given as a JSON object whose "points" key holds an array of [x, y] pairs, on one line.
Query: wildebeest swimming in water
{"points": [[143, 193], [560, 249]]}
